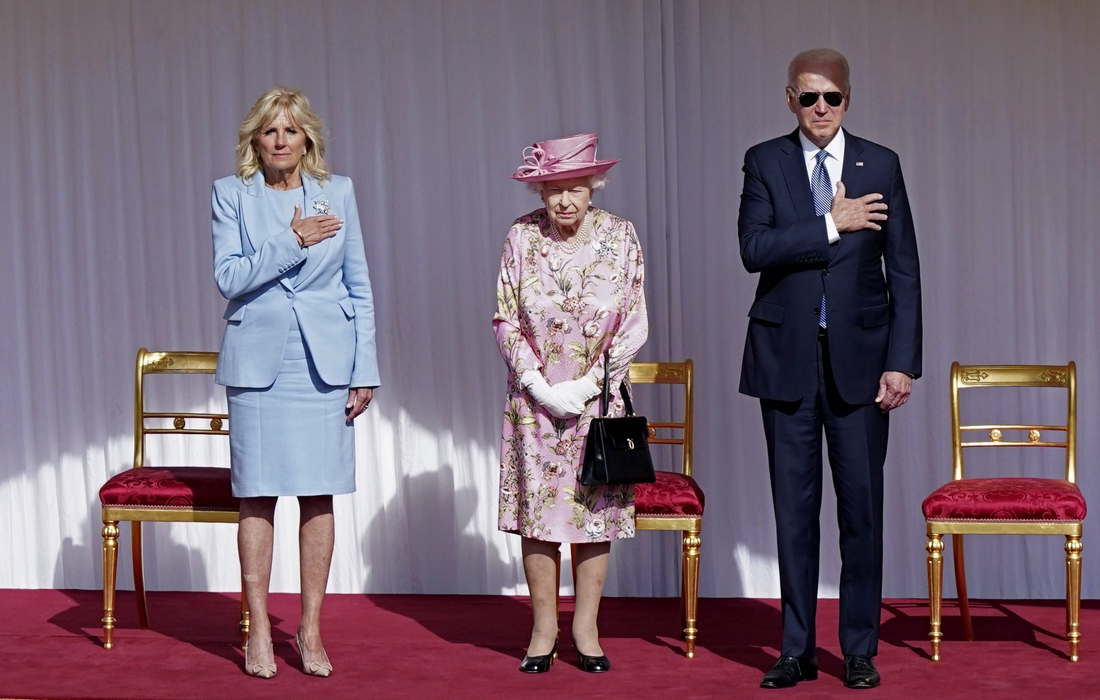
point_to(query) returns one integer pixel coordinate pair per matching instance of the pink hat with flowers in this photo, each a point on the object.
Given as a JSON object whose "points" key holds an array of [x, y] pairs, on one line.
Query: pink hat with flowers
{"points": [[562, 159]]}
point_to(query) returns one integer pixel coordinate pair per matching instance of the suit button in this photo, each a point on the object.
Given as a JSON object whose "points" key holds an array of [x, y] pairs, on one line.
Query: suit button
{"points": [[817, 311], [825, 272]]}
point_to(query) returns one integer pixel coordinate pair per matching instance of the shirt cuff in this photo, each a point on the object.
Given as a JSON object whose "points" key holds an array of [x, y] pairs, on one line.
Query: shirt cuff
{"points": [[834, 235]]}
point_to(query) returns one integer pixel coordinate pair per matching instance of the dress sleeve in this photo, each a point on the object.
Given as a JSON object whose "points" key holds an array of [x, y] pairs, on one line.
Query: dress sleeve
{"points": [[235, 272], [357, 280], [633, 328], [507, 326]]}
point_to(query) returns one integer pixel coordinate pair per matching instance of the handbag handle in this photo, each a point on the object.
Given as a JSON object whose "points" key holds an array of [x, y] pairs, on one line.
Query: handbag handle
{"points": [[605, 396]]}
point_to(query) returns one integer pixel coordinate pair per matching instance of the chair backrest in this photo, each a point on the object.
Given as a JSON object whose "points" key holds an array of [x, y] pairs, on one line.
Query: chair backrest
{"points": [[669, 432], [1045, 376], [151, 422]]}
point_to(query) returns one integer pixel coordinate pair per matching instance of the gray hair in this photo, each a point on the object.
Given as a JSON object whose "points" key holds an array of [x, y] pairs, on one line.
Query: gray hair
{"points": [[594, 182], [819, 57]]}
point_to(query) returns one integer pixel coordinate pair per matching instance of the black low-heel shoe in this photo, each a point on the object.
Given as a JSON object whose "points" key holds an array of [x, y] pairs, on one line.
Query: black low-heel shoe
{"points": [[593, 664], [539, 664]]}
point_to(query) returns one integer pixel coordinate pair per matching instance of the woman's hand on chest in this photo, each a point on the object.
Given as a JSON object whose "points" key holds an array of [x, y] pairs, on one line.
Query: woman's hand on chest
{"points": [[314, 229]]}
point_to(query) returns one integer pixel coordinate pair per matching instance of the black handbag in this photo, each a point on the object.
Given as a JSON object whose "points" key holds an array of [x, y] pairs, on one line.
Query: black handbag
{"points": [[617, 449]]}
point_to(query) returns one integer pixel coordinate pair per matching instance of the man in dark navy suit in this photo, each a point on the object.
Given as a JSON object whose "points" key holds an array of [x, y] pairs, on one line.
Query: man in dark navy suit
{"points": [[833, 344]]}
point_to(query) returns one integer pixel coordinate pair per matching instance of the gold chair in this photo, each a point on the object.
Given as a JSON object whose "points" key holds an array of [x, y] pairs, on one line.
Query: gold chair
{"points": [[1007, 506], [166, 494], [675, 501]]}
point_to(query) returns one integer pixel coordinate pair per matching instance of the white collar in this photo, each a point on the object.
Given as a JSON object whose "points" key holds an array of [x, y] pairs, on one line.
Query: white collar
{"points": [[835, 148]]}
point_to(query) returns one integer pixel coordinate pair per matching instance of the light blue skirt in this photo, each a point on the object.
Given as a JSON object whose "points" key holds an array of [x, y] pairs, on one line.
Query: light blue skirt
{"points": [[290, 439]]}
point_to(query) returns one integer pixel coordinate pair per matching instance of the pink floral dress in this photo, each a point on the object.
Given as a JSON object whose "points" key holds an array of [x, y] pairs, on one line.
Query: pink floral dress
{"points": [[557, 311]]}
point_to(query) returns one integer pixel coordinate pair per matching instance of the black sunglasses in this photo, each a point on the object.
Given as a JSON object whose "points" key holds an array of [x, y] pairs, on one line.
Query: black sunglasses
{"points": [[809, 99]]}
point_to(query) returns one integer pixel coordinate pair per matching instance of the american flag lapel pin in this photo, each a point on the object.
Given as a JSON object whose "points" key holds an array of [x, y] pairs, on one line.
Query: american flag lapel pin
{"points": [[859, 163]]}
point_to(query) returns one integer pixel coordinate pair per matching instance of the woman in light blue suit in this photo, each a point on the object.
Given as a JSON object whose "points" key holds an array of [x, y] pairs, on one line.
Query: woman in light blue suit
{"points": [[298, 357]]}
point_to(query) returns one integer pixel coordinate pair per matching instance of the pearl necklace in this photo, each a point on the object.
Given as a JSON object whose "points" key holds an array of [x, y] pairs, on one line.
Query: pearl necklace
{"points": [[578, 241]]}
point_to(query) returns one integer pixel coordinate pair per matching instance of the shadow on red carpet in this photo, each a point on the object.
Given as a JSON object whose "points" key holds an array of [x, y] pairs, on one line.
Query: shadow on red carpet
{"points": [[404, 646]]}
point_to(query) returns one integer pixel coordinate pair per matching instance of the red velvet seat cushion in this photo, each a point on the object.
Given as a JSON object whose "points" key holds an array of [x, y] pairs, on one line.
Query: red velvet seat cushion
{"points": [[1006, 499], [673, 495], [181, 488]]}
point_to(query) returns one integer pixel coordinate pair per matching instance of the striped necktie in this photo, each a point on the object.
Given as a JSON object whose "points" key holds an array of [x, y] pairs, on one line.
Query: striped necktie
{"points": [[821, 188]]}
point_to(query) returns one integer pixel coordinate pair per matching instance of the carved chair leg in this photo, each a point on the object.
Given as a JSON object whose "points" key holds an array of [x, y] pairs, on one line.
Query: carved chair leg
{"points": [[1073, 594], [573, 565], [246, 617], [935, 591], [139, 574], [689, 587], [683, 588], [557, 579], [573, 568], [960, 586], [557, 587], [110, 568]]}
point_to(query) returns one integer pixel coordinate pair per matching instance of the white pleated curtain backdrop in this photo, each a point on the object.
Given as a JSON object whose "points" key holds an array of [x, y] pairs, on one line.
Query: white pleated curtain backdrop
{"points": [[119, 115]]}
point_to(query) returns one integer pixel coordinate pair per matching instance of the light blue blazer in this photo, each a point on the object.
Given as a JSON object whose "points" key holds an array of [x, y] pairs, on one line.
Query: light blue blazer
{"points": [[255, 261]]}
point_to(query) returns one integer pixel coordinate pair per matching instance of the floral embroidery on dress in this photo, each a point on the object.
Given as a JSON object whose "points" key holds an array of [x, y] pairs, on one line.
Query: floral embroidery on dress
{"points": [[557, 312]]}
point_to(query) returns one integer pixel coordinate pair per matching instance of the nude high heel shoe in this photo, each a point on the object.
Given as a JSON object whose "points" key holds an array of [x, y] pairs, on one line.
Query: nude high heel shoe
{"points": [[322, 669], [258, 670]]}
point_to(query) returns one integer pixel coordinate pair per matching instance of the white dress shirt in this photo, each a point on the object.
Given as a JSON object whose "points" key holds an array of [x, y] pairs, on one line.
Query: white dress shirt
{"points": [[834, 163]]}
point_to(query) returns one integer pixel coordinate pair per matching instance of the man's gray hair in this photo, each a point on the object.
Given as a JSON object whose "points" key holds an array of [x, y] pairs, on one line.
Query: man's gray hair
{"points": [[819, 57]]}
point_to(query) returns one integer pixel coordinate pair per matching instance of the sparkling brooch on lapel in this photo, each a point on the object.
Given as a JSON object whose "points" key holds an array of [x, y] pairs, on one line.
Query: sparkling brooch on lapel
{"points": [[320, 206]]}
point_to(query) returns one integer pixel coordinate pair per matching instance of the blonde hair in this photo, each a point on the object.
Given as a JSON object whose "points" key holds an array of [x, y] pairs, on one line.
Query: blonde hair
{"points": [[267, 109]]}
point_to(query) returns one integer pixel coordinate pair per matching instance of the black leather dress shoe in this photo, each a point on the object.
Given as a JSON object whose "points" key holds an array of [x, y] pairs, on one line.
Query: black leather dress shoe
{"points": [[539, 664], [859, 672], [788, 671], [593, 664]]}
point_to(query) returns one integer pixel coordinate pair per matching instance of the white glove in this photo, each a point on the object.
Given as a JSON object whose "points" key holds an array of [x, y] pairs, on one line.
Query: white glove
{"points": [[547, 396], [576, 393]]}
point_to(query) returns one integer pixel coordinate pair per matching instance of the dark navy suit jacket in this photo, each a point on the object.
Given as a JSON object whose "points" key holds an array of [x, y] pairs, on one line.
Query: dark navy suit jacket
{"points": [[871, 278]]}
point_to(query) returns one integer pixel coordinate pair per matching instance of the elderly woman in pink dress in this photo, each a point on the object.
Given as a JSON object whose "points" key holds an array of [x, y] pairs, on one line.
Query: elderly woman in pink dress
{"points": [[570, 287]]}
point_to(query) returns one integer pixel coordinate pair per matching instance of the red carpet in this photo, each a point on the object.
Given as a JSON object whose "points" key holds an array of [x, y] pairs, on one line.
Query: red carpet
{"points": [[404, 646]]}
